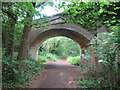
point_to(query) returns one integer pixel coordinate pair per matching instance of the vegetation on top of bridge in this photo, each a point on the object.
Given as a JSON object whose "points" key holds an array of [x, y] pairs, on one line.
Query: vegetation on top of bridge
{"points": [[92, 15], [17, 23]]}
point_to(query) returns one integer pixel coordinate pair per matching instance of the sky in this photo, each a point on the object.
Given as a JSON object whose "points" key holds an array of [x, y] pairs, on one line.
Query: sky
{"points": [[48, 11]]}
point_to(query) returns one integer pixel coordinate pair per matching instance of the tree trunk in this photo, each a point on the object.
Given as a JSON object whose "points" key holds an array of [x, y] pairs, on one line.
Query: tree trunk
{"points": [[22, 54], [23, 51]]}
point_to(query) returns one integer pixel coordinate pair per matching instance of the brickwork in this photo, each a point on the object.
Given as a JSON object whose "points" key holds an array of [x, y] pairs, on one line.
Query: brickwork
{"points": [[70, 30]]}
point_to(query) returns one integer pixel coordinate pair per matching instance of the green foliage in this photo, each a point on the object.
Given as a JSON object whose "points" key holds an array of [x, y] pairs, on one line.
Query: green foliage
{"points": [[91, 15], [89, 84], [107, 72], [48, 56], [42, 59], [58, 47], [17, 36], [14, 16], [18, 73], [61, 46], [86, 54], [74, 60], [108, 50], [99, 77], [15, 54]]}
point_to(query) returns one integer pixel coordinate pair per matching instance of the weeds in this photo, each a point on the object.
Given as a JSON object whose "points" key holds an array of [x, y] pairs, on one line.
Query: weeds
{"points": [[15, 75]]}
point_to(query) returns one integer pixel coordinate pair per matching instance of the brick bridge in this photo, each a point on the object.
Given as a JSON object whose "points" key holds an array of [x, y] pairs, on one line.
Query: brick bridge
{"points": [[57, 28]]}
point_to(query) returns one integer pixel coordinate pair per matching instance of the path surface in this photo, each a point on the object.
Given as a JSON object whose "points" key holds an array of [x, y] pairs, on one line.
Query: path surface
{"points": [[59, 74]]}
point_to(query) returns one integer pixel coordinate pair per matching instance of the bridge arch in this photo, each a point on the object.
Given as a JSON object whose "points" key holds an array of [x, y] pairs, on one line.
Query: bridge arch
{"points": [[73, 31]]}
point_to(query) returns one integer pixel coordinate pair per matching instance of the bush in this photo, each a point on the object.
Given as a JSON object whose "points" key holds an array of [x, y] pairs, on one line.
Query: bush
{"points": [[99, 77], [89, 84], [107, 73], [74, 60], [49, 56], [42, 59], [18, 73], [15, 54]]}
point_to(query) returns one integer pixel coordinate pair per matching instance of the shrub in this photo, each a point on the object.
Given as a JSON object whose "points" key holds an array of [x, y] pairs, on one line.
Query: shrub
{"points": [[99, 77], [89, 84], [15, 54], [49, 56], [42, 59], [18, 73], [74, 60], [107, 72]]}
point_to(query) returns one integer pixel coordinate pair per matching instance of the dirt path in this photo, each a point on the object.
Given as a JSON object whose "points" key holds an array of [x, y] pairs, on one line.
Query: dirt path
{"points": [[59, 74]]}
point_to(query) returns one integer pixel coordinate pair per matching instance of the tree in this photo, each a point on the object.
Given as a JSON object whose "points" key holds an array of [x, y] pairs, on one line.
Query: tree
{"points": [[17, 15], [10, 19], [23, 51]]}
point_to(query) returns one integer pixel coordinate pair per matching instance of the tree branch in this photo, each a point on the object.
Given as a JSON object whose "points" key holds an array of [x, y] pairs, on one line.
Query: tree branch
{"points": [[41, 4]]}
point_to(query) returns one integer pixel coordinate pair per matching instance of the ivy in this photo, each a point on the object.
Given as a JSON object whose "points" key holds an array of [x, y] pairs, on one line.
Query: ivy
{"points": [[92, 15]]}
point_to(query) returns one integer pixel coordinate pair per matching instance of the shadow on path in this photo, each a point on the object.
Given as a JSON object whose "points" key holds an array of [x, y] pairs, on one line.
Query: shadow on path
{"points": [[60, 64]]}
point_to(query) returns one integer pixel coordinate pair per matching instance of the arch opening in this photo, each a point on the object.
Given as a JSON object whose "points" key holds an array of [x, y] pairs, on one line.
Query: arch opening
{"points": [[58, 45], [56, 48]]}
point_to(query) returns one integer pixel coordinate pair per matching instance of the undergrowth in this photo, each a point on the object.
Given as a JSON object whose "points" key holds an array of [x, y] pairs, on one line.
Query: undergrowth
{"points": [[74, 60], [105, 76], [43, 56], [19, 73]]}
